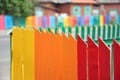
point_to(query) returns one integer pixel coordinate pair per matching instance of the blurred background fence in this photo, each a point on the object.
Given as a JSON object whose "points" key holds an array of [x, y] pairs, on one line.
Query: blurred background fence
{"points": [[7, 21]]}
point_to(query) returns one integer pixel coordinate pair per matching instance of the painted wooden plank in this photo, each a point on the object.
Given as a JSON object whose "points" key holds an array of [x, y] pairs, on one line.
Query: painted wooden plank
{"points": [[8, 22], [16, 55], [116, 47], [29, 55], [82, 59], [69, 58], [104, 61], [2, 22], [59, 56], [92, 60]]}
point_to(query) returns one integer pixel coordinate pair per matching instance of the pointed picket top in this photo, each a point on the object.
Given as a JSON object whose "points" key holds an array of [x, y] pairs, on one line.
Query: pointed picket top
{"points": [[15, 28], [76, 31], [63, 35], [91, 42], [15, 32], [48, 29], [58, 34], [52, 34], [32, 29], [27, 28], [37, 32], [71, 37], [23, 30], [115, 43], [40, 29], [69, 29], [101, 42], [63, 30], [43, 31], [81, 41], [56, 30], [19, 29]]}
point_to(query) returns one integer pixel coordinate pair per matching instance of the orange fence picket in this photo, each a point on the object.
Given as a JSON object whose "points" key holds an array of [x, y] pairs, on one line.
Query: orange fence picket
{"points": [[59, 56]]}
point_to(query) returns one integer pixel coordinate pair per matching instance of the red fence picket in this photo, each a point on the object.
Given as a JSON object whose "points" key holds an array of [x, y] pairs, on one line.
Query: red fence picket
{"points": [[116, 48], [82, 58], [92, 60], [104, 61]]}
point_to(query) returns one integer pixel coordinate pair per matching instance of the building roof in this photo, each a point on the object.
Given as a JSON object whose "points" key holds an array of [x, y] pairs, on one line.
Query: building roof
{"points": [[81, 1], [84, 1], [48, 7], [108, 1], [57, 1]]}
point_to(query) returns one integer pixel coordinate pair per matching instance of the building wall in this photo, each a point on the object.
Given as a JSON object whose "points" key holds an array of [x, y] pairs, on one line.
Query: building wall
{"points": [[81, 6], [48, 11], [108, 7], [64, 8], [104, 9], [68, 8]]}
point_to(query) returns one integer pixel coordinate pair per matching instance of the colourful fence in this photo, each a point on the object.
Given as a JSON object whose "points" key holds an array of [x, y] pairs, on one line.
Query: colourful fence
{"points": [[7, 21], [43, 55], [107, 32]]}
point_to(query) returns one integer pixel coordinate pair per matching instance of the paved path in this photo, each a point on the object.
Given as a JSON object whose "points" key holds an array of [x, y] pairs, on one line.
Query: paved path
{"points": [[4, 56]]}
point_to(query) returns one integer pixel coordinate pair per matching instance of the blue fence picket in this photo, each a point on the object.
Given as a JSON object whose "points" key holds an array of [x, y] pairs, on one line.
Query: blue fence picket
{"points": [[45, 21], [52, 21], [79, 20], [8, 22], [91, 20]]}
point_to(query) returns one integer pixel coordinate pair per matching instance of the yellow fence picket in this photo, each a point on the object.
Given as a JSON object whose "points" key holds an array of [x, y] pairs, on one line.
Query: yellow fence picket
{"points": [[29, 55], [17, 54]]}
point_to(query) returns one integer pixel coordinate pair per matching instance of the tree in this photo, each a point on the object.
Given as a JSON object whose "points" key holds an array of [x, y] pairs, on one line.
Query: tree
{"points": [[17, 8]]}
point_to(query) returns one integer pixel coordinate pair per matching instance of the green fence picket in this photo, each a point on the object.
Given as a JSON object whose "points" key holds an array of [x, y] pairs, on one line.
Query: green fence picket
{"points": [[99, 30], [82, 32], [118, 31], [104, 30], [40, 29], [76, 31], [113, 31], [48, 29], [63, 30], [70, 30], [109, 32], [93, 32], [56, 30], [88, 30]]}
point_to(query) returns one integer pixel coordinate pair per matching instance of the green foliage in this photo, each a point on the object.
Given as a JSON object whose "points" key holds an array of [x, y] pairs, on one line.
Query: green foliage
{"points": [[17, 8]]}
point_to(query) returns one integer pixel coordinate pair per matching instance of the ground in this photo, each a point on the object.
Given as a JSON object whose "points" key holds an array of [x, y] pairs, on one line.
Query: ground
{"points": [[4, 55]]}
